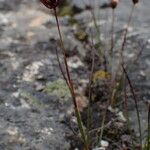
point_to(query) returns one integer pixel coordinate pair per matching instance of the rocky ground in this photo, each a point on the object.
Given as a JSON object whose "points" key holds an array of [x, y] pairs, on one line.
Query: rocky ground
{"points": [[34, 100]]}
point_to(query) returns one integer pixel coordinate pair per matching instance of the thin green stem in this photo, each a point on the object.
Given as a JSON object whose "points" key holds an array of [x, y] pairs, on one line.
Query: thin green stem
{"points": [[97, 30], [124, 40], [70, 85], [148, 137], [126, 31], [135, 101], [102, 56], [99, 139], [112, 33], [61, 69], [126, 112], [89, 111], [126, 74], [63, 51]]}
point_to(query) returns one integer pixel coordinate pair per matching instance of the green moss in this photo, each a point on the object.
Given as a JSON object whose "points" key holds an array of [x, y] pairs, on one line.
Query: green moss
{"points": [[59, 88], [31, 100], [81, 35]]}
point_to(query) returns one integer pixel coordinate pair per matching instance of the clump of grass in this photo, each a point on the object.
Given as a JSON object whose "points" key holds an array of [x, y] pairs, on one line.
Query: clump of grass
{"points": [[116, 80]]}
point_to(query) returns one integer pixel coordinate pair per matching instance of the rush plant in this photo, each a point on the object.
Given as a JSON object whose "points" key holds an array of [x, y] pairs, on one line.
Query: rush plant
{"points": [[85, 133], [53, 4]]}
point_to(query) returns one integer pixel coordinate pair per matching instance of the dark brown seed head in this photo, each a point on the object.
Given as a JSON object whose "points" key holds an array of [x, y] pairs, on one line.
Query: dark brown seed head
{"points": [[114, 3], [51, 4], [135, 1]]}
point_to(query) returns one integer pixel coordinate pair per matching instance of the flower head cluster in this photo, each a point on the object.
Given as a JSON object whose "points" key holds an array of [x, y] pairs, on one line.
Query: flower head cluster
{"points": [[51, 4], [135, 1], [114, 3]]}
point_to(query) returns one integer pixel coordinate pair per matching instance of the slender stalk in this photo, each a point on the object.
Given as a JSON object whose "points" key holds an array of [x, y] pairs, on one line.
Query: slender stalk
{"points": [[70, 85], [99, 139], [126, 111], [61, 69], [112, 33], [126, 102], [126, 31], [126, 74], [124, 39], [102, 56], [112, 41], [97, 30], [148, 137], [135, 101], [63, 51], [114, 91], [89, 119]]}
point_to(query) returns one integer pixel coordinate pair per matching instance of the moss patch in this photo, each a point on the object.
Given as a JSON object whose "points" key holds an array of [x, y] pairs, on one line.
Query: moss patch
{"points": [[81, 35], [101, 75], [31, 100], [59, 88]]}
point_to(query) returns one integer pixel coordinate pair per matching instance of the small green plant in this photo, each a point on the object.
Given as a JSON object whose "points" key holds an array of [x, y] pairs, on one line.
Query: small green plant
{"points": [[118, 81], [52, 4]]}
